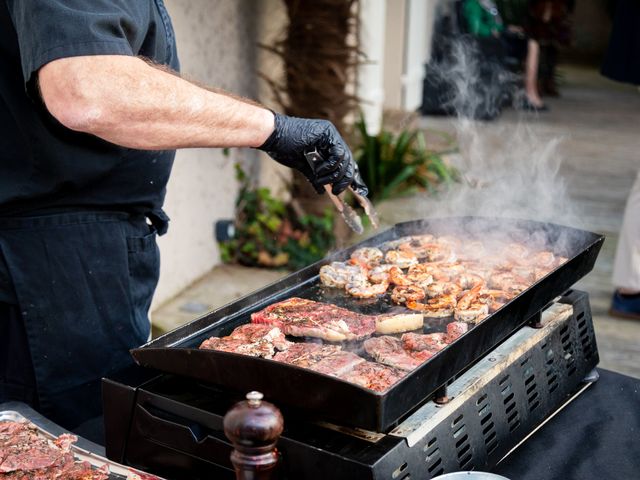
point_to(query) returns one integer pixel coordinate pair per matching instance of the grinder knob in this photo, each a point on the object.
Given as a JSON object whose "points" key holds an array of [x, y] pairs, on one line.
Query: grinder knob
{"points": [[253, 426]]}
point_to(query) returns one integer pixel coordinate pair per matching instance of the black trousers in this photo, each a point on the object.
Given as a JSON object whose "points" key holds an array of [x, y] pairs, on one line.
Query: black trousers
{"points": [[75, 290]]}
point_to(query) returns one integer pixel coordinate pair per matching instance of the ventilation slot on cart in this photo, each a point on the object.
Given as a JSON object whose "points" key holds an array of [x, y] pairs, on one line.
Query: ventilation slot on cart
{"points": [[531, 387], [400, 471], [510, 410], [487, 425], [585, 337], [567, 347], [552, 380], [464, 451], [433, 459]]}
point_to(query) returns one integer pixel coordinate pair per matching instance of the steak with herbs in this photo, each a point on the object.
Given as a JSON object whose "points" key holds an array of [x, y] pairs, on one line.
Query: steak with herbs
{"points": [[373, 376], [305, 318], [327, 359], [250, 339], [419, 342], [390, 351]]}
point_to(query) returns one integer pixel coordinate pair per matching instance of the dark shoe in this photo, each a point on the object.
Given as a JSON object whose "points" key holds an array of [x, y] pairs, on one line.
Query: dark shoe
{"points": [[625, 306]]}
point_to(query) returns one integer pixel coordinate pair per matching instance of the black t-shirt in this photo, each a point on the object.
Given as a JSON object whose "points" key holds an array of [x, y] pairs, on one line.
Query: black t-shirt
{"points": [[45, 166]]}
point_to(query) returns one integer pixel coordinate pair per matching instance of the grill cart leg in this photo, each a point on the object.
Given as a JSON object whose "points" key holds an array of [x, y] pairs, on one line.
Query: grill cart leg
{"points": [[254, 426], [591, 377]]}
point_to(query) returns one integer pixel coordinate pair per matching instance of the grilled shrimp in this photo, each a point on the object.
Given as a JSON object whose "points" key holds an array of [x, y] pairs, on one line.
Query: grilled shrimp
{"points": [[507, 281], [417, 244], [469, 280], [397, 276], [364, 289], [419, 275], [338, 274], [437, 252], [542, 259], [381, 273], [474, 312], [442, 306], [367, 257], [468, 297], [402, 294], [436, 289], [401, 258], [516, 251]]}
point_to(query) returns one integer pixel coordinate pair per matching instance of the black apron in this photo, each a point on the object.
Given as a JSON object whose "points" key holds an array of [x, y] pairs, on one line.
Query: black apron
{"points": [[75, 290]]}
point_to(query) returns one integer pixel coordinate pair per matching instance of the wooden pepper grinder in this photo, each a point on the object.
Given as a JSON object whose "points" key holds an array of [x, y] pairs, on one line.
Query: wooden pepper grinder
{"points": [[254, 426]]}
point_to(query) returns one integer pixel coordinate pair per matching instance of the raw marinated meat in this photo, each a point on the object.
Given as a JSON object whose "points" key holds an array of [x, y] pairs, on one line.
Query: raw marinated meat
{"points": [[27, 455], [250, 339], [373, 376], [390, 351], [305, 318]]}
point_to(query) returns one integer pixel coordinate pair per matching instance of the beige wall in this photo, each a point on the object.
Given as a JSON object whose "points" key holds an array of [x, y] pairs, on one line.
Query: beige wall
{"points": [[216, 45]]}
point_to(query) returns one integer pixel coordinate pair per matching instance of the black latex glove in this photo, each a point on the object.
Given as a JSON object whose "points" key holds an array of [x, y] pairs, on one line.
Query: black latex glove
{"points": [[293, 137]]}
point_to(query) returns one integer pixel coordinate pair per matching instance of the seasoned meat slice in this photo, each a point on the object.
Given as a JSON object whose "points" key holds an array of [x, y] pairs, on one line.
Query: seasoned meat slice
{"points": [[305, 318], [418, 342], [455, 330], [327, 359], [373, 376], [390, 351], [250, 339], [25, 454], [305, 354]]}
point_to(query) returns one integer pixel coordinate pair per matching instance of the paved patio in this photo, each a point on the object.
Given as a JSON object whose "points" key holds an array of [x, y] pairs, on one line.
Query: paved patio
{"points": [[598, 122]]}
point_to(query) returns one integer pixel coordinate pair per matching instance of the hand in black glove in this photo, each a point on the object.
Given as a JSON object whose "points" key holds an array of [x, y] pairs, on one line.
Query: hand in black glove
{"points": [[293, 137]]}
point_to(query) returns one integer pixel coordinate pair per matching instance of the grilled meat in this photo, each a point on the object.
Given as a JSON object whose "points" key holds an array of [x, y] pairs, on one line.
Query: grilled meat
{"points": [[373, 376], [305, 318], [327, 359], [26, 454], [250, 339], [455, 330], [390, 351], [430, 342]]}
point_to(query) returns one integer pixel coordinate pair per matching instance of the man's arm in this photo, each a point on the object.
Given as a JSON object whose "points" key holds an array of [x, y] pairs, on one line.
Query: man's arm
{"points": [[131, 103], [126, 101]]}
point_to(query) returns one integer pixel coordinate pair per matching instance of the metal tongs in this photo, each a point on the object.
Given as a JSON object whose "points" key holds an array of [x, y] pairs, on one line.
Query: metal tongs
{"points": [[348, 214]]}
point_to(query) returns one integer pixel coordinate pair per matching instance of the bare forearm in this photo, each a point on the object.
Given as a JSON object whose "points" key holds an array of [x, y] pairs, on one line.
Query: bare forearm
{"points": [[128, 102]]}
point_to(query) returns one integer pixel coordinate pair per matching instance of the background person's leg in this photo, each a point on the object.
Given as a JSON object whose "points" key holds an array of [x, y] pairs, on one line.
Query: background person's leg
{"points": [[626, 267]]}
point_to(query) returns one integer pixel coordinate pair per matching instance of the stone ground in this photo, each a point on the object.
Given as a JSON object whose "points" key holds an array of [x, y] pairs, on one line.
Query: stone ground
{"points": [[599, 122]]}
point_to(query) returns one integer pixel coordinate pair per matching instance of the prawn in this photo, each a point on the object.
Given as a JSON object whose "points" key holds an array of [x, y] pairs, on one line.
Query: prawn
{"points": [[367, 257], [442, 306], [436, 289], [401, 258], [397, 276], [364, 289], [381, 273], [402, 294], [338, 274]]}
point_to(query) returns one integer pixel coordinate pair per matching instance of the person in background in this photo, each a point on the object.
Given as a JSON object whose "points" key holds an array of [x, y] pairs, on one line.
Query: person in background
{"points": [[622, 63], [626, 267], [92, 109], [484, 20], [548, 23]]}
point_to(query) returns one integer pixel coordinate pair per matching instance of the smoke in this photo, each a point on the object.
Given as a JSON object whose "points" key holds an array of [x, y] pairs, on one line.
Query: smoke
{"points": [[508, 168]]}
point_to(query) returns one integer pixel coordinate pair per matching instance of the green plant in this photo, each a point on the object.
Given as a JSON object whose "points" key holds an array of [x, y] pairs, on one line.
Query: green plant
{"points": [[393, 165], [270, 234]]}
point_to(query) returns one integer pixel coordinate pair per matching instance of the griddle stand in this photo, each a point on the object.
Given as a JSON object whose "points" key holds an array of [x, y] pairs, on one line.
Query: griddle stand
{"points": [[172, 426]]}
